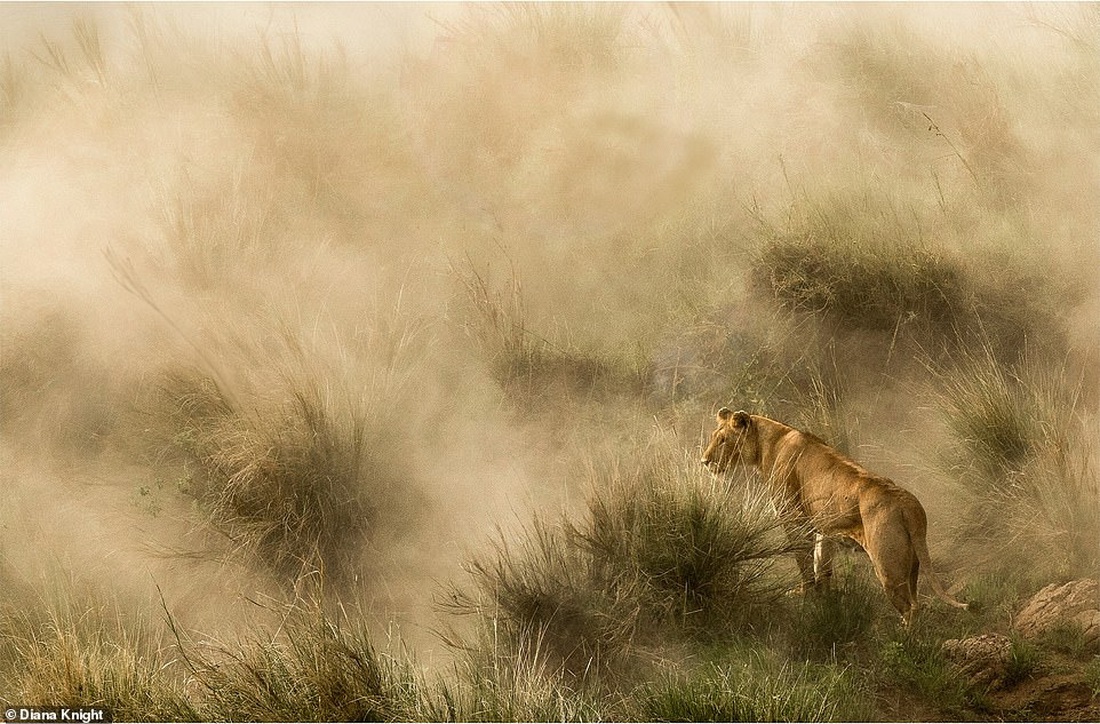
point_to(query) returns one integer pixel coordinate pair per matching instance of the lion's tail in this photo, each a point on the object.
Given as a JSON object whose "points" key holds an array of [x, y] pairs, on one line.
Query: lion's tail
{"points": [[918, 537]]}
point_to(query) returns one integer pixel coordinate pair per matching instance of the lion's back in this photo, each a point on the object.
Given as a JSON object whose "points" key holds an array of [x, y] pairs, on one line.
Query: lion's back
{"points": [[825, 466]]}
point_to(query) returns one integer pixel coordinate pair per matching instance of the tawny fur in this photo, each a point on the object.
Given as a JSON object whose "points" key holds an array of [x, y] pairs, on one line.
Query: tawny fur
{"points": [[818, 489]]}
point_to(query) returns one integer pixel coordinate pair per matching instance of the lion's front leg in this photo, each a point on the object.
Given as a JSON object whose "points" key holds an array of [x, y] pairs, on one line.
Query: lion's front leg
{"points": [[824, 550], [802, 540]]}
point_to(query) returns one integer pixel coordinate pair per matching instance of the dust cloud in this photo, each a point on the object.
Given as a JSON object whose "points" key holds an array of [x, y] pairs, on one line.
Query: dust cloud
{"points": [[402, 211]]}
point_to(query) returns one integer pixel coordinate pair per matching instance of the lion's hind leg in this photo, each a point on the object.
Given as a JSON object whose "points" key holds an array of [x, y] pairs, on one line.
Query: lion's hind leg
{"points": [[895, 564], [898, 591], [914, 574]]}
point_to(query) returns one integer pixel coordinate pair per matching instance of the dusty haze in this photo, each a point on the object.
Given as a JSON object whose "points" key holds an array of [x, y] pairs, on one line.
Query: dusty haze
{"points": [[281, 195]]}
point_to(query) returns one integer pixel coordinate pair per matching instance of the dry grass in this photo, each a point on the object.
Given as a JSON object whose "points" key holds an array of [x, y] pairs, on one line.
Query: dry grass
{"points": [[1023, 457], [653, 218], [313, 667], [70, 650]]}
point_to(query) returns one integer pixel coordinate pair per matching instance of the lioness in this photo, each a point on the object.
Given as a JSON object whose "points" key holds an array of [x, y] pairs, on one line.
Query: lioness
{"points": [[817, 489]]}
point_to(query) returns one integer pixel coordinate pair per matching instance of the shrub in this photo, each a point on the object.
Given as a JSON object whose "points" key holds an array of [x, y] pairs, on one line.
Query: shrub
{"points": [[702, 555], [661, 553], [849, 260]]}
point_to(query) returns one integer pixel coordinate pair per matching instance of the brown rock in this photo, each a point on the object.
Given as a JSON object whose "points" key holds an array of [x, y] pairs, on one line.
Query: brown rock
{"points": [[1076, 602], [1059, 697], [981, 659]]}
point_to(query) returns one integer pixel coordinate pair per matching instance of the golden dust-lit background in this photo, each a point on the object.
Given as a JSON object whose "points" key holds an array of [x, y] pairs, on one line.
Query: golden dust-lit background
{"points": [[347, 291]]}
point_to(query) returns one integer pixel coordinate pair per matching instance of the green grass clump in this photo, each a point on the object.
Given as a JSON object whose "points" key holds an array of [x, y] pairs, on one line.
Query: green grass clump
{"points": [[862, 283], [701, 554], [998, 596], [1024, 661], [915, 664], [832, 622], [662, 553], [755, 692]]}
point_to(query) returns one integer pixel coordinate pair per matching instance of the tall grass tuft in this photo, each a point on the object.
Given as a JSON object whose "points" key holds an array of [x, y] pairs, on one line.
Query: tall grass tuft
{"points": [[876, 285], [528, 363], [663, 552], [513, 680], [700, 553], [307, 665], [854, 260], [292, 481], [294, 460], [86, 63], [313, 667], [1024, 460], [995, 415], [213, 229], [548, 607], [73, 651]]}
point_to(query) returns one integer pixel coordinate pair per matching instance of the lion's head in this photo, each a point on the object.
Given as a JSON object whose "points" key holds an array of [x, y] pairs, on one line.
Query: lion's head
{"points": [[732, 443]]}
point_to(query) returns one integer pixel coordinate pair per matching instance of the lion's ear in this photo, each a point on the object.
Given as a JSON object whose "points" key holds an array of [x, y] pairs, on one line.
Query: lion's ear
{"points": [[741, 419], [724, 414]]}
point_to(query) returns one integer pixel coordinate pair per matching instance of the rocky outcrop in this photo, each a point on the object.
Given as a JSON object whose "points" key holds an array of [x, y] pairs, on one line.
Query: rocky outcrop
{"points": [[981, 659], [1076, 603], [1042, 680]]}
